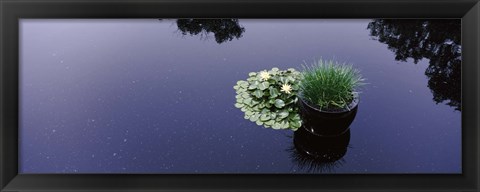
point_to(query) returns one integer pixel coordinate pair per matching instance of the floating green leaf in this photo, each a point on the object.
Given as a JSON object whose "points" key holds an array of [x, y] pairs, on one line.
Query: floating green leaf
{"points": [[264, 85], [274, 92], [269, 123], [248, 101], [264, 117], [254, 118], [279, 103], [277, 126], [295, 124], [238, 105], [283, 115], [258, 93]]}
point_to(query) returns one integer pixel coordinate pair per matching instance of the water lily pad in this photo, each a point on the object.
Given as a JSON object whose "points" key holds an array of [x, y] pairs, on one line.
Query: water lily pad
{"points": [[258, 93], [273, 92], [248, 101], [254, 118], [264, 117], [279, 103], [270, 122], [283, 115], [264, 85]]}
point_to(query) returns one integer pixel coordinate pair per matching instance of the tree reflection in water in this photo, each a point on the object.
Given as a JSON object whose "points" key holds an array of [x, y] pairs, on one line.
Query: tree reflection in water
{"points": [[438, 40], [223, 29]]}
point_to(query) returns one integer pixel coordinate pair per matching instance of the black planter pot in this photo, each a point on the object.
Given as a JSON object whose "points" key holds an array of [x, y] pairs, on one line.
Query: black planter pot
{"points": [[327, 123], [320, 150]]}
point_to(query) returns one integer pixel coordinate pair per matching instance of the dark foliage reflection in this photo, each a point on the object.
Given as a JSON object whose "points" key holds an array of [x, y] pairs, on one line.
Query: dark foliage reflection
{"points": [[436, 40], [314, 153], [223, 29]]}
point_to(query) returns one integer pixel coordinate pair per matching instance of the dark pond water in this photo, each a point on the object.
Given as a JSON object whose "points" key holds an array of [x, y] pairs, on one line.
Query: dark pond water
{"points": [[156, 96]]}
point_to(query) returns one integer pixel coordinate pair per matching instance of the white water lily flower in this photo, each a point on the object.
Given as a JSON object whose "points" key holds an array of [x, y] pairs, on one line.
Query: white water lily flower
{"points": [[286, 88], [264, 75]]}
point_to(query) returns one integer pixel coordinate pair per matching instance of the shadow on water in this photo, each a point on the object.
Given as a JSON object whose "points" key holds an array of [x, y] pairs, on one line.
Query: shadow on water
{"points": [[223, 29], [436, 40], [314, 153]]}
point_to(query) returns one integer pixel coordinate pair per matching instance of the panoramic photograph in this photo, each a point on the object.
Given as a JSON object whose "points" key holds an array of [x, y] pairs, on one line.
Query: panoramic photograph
{"points": [[240, 96]]}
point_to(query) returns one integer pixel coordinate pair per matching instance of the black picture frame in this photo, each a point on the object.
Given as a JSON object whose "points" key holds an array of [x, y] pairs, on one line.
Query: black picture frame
{"points": [[13, 10]]}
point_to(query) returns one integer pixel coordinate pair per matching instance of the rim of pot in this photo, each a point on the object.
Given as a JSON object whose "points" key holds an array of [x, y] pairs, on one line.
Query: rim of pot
{"points": [[351, 105]]}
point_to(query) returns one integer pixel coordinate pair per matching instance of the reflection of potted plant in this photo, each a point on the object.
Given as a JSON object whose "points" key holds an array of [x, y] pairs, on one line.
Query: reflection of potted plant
{"points": [[328, 97], [269, 98], [319, 153]]}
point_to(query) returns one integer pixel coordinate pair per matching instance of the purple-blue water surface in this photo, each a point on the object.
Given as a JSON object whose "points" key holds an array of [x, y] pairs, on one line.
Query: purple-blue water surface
{"points": [[156, 96]]}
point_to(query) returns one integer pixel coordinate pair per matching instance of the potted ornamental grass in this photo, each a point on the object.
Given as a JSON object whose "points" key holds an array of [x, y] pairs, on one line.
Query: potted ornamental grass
{"points": [[328, 97]]}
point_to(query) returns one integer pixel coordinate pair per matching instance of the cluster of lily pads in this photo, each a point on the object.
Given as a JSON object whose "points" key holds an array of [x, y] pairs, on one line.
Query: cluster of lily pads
{"points": [[269, 98]]}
